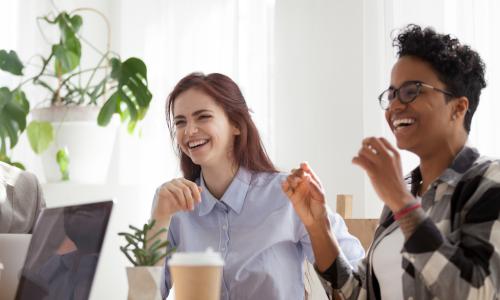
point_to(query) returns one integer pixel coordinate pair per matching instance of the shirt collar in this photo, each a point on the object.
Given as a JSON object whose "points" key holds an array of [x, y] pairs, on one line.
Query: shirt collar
{"points": [[452, 175], [234, 196]]}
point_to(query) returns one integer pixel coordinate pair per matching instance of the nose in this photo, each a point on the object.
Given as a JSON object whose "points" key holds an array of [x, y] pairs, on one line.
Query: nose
{"points": [[190, 129], [396, 104]]}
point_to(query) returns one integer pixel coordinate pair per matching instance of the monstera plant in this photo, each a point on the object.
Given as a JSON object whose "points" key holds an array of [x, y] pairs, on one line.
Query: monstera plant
{"points": [[114, 85]]}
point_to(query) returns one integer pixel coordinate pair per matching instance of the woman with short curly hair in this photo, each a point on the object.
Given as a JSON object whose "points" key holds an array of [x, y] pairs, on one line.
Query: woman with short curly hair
{"points": [[439, 231]]}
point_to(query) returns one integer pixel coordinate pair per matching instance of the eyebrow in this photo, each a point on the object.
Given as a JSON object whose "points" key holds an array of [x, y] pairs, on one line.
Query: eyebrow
{"points": [[408, 81], [194, 114]]}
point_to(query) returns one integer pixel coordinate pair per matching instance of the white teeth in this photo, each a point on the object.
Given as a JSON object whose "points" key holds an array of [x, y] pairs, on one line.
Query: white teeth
{"points": [[399, 122], [193, 144]]}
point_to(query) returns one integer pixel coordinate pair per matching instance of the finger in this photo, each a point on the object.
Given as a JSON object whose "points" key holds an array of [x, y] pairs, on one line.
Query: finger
{"points": [[390, 147], [380, 148], [169, 196], [369, 154], [187, 187], [316, 190], [286, 189], [195, 190], [302, 189], [294, 182], [189, 196], [298, 172], [181, 199], [364, 163], [305, 166], [369, 143]]}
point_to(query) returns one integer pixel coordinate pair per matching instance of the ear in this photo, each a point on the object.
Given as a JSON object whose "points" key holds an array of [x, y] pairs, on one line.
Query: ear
{"points": [[460, 107], [236, 131]]}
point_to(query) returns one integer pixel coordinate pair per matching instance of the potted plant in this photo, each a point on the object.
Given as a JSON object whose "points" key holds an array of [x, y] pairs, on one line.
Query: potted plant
{"points": [[73, 95], [144, 251]]}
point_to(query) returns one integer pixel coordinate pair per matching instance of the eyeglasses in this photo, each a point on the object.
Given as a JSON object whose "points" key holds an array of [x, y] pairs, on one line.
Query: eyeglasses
{"points": [[406, 93]]}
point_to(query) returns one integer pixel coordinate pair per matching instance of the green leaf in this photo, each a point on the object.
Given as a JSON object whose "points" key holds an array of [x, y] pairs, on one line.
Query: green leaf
{"points": [[10, 62], [40, 135], [144, 255], [98, 90], [69, 50], [109, 108], [66, 59], [19, 97], [69, 26], [7, 160], [62, 158], [132, 89], [14, 108]]}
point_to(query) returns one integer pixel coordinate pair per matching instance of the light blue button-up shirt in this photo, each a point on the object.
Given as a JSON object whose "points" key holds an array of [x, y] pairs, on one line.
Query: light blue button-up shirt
{"points": [[259, 235]]}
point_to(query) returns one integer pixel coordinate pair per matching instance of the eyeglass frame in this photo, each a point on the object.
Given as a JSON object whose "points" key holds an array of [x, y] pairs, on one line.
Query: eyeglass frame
{"points": [[419, 85]]}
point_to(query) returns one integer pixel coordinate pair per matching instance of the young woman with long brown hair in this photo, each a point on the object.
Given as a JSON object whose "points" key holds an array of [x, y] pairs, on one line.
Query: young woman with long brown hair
{"points": [[230, 196]]}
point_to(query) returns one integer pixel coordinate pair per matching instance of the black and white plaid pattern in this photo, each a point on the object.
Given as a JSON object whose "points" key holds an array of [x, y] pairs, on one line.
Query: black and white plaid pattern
{"points": [[455, 252]]}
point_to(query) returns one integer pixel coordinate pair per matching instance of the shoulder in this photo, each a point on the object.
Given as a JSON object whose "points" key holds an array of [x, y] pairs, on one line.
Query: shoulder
{"points": [[262, 179], [479, 189], [484, 170], [25, 185], [14, 176]]}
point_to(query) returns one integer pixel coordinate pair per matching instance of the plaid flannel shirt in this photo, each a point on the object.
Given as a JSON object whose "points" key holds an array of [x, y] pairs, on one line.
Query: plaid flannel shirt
{"points": [[454, 253]]}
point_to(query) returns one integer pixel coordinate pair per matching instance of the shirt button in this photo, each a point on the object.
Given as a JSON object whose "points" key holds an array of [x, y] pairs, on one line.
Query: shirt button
{"points": [[224, 227]]}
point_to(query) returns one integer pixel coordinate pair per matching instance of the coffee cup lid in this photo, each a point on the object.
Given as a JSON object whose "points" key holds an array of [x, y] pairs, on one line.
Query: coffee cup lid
{"points": [[207, 258]]}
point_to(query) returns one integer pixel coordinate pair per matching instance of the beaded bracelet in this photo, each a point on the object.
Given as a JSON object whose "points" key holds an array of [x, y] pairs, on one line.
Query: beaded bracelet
{"points": [[406, 210]]}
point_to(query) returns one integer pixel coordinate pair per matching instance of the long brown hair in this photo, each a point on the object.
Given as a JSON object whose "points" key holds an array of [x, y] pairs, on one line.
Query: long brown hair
{"points": [[248, 150]]}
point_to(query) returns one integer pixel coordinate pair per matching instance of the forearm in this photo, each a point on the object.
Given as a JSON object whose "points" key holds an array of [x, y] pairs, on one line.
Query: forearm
{"points": [[325, 247], [409, 222]]}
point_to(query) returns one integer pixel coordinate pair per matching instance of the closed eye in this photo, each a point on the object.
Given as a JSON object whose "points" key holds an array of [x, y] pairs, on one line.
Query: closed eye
{"points": [[179, 123], [204, 117]]}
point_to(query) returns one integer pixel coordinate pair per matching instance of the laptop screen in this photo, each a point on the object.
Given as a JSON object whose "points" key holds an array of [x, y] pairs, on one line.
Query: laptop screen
{"points": [[64, 252]]}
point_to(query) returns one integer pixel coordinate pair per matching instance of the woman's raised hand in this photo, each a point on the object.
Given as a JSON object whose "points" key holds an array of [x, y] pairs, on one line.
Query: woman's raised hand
{"points": [[176, 195], [304, 190]]}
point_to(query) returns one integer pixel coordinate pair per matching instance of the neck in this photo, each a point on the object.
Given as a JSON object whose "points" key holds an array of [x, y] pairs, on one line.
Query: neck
{"points": [[218, 178], [433, 163]]}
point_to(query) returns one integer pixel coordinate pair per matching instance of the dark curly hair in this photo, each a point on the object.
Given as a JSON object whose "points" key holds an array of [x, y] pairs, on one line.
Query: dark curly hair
{"points": [[458, 66]]}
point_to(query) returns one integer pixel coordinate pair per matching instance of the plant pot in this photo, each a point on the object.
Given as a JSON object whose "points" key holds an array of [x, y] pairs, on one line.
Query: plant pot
{"points": [[89, 145], [144, 283]]}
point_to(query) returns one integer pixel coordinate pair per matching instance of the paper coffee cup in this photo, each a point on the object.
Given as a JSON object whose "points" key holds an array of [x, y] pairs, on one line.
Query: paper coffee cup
{"points": [[196, 275]]}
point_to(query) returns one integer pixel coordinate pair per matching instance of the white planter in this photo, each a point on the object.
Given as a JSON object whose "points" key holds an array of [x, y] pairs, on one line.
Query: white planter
{"points": [[144, 283], [89, 145]]}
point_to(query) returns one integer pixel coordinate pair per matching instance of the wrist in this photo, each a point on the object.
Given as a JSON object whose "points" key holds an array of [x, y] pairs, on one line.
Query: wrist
{"points": [[407, 209], [319, 227], [161, 218], [400, 202]]}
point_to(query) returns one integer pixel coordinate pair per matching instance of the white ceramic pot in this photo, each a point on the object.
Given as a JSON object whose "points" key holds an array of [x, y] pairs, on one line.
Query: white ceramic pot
{"points": [[144, 283], [89, 145]]}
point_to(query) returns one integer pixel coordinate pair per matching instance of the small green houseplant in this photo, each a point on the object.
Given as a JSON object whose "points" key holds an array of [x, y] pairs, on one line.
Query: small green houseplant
{"points": [[144, 251], [139, 250], [114, 85]]}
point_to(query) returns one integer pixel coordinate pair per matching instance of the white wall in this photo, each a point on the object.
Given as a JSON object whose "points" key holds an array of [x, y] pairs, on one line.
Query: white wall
{"points": [[318, 94]]}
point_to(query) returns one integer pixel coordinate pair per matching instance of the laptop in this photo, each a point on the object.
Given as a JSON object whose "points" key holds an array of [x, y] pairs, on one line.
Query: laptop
{"points": [[63, 252], [13, 248]]}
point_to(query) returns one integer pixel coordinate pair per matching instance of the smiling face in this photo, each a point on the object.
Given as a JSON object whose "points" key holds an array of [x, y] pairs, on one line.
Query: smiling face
{"points": [[428, 122], [202, 129]]}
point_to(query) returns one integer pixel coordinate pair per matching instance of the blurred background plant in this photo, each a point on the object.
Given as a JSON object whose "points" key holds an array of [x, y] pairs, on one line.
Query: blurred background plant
{"points": [[114, 85]]}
